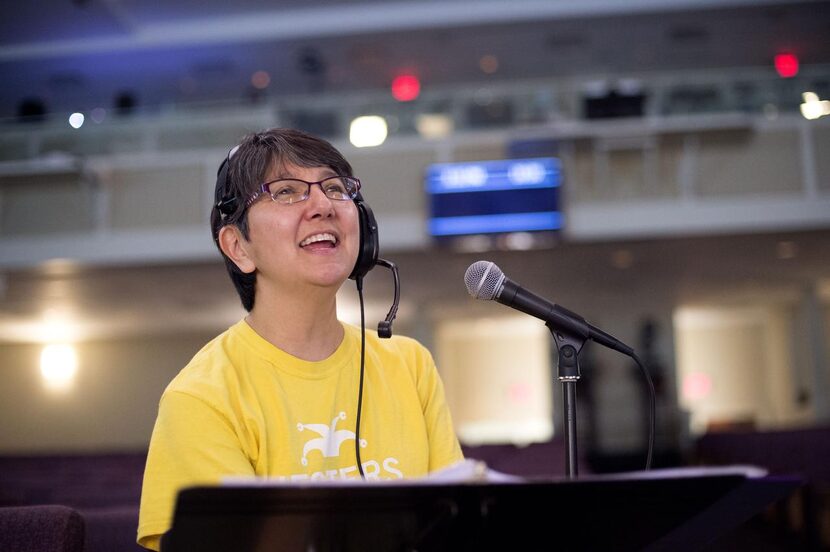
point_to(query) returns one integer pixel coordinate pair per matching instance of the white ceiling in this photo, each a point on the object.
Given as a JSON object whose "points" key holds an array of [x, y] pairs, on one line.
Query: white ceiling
{"points": [[78, 54]]}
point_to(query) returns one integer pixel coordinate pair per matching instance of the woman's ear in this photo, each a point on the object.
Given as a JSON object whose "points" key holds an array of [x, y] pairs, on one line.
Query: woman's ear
{"points": [[234, 246]]}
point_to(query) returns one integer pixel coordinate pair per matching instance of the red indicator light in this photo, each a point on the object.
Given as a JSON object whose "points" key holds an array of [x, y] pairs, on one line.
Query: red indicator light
{"points": [[786, 65], [406, 88], [697, 386]]}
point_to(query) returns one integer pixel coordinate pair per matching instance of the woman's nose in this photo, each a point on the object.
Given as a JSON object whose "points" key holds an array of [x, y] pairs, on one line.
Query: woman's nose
{"points": [[319, 202]]}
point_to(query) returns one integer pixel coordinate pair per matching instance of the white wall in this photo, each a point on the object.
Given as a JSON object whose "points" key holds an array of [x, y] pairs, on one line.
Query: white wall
{"points": [[112, 405], [740, 361], [497, 374]]}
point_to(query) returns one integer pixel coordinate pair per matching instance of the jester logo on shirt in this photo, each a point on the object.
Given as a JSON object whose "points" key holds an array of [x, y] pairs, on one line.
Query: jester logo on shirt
{"points": [[330, 438]]}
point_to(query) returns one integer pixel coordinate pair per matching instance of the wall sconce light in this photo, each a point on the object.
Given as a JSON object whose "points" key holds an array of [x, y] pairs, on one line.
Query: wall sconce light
{"points": [[58, 366]]}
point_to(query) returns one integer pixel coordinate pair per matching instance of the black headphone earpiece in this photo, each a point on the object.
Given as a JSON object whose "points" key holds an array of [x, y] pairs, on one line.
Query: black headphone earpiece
{"points": [[225, 204], [367, 256], [367, 259]]}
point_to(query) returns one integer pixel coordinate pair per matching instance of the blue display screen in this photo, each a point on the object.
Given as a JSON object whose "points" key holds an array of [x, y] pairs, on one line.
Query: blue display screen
{"points": [[516, 195]]}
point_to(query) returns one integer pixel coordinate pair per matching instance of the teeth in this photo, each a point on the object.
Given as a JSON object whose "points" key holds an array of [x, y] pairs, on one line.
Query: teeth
{"points": [[317, 238]]}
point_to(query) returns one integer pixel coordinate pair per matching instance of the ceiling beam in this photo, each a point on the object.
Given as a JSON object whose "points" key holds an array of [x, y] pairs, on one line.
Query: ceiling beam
{"points": [[341, 20]]}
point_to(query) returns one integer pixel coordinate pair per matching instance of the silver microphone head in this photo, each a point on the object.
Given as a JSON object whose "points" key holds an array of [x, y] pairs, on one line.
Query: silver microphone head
{"points": [[483, 280]]}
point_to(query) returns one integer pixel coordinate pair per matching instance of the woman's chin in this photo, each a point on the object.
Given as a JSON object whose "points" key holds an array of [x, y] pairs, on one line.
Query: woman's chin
{"points": [[329, 278]]}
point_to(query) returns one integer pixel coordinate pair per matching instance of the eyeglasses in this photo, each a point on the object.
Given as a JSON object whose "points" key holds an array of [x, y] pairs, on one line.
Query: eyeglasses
{"points": [[293, 190]]}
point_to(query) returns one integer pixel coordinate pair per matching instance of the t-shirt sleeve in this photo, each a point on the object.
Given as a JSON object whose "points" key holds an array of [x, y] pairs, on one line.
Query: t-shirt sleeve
{"points": [[443, 443], [193, 443]]}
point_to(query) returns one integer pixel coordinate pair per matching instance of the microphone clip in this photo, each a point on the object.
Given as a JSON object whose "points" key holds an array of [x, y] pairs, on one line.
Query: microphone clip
{"points": [[568, 346]]}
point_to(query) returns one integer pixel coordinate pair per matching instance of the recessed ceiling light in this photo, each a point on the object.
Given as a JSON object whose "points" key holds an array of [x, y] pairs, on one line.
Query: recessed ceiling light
{"points": [[786, 249], [488, 64], [622, 259], [260, 80], [368, 131]]}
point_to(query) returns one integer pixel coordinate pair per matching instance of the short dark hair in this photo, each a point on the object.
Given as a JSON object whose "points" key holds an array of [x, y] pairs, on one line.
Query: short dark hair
{"points": [[248, 167]]}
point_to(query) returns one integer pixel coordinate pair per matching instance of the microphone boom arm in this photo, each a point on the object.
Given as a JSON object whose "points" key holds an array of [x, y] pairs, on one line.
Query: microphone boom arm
{"points": [[385, 326]]}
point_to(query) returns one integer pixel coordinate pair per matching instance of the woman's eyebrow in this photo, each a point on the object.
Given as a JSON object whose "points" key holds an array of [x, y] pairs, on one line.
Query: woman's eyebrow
{"points": [[328, 172]]}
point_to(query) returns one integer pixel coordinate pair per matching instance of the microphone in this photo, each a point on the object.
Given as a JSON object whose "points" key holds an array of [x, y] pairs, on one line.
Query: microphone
{"points": [[385, 326], [486, 281]]}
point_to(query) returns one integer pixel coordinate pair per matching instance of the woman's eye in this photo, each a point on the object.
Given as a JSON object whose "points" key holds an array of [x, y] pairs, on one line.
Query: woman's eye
{"points": [[286, 190]]}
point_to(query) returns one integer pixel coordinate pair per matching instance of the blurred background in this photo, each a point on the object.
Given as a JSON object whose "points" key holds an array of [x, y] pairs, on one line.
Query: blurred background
{"points": [[670, 181]]}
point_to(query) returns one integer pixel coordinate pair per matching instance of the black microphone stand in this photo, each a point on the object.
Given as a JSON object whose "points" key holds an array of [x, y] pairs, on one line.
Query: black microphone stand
{"points": [[569, 346]]}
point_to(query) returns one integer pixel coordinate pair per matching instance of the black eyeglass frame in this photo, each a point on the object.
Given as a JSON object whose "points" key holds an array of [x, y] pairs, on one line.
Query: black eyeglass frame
{"points": [[265, 188]]}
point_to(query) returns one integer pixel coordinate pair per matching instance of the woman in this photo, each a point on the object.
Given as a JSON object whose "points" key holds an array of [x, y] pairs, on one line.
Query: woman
{"points": [[280, 393]]}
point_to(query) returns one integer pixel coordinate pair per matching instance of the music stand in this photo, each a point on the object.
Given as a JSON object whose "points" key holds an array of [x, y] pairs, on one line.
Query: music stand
{"points": [[674, 512]]}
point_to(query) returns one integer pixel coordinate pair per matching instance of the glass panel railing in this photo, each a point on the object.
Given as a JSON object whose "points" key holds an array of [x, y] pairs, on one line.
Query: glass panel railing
{"points": [[515, 105]]}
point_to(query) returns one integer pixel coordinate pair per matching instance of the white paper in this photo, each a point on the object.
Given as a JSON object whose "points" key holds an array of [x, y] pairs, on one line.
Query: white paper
{"points": [[464, 471]]}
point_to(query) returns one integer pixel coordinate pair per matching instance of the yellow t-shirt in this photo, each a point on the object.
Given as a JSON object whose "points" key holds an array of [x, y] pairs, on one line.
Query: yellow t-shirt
{"points": [[244, 407]]}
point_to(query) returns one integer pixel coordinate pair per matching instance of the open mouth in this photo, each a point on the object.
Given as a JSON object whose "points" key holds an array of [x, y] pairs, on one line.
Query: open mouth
{"points": [[319, 241]]}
